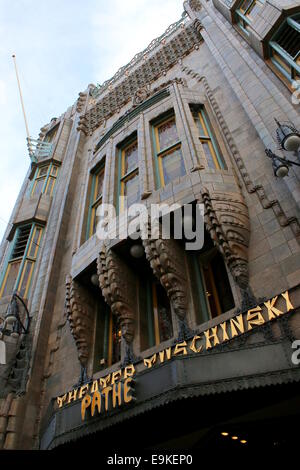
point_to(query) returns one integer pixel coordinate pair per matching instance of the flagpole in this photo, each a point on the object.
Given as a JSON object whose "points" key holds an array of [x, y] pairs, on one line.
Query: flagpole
{"points": [[22, 103]]}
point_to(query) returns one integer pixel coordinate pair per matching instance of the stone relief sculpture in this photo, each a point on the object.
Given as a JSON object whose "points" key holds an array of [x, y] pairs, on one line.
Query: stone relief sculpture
{"points": [[118, 287], [79, 312]]}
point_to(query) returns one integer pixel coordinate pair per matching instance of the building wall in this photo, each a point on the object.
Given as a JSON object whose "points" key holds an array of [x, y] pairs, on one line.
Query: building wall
{"points": [[242, 96]]}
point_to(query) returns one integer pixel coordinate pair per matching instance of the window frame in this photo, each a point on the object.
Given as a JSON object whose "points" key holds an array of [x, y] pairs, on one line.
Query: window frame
{"points": [[94, 203], [25, 259], [209, 137], [274, 47], [123, 178], [244, 17], [159, 153], [47, 177]]}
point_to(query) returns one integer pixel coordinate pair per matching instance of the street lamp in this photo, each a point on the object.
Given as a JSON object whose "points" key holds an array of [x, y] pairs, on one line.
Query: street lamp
{"points": [[288, 136], [13, 319], [280, 165]]}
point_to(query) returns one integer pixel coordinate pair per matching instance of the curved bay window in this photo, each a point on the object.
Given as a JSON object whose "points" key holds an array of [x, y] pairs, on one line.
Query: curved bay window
{"points": [[169, 162], [107, 338], [128, 187], [246, 12], [214, 295], [21, 261], [207, 138], [45, 179], [285, 49], [95, 200]]}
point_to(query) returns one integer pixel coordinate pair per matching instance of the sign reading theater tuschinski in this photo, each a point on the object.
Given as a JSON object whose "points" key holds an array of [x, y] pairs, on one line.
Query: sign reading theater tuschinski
{"points": [[116, 389]]}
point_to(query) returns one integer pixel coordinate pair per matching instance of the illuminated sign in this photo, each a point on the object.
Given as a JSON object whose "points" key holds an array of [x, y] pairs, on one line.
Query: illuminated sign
{"points": [[115, 389]]}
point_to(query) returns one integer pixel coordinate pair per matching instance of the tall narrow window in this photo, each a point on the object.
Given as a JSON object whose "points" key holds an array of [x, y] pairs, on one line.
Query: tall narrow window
{"points": [[108, 338], [129, 188], [95, 200], [207, 139], [45, 179], [21, 262], [168, 155], [285, 49], [155, 313], [246, 12], [214, 295]]}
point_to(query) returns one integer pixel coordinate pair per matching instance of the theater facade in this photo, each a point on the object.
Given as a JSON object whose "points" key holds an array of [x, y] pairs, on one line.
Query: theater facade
{"points": [[141, 341]]}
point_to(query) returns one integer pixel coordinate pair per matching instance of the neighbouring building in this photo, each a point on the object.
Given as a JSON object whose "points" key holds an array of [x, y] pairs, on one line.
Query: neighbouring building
{"points": [[103, 341]]}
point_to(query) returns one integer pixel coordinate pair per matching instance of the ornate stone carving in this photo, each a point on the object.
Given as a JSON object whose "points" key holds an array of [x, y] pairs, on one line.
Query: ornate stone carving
{"points": [[150, 70], [79, 313], [227, 220], [195, 5], [167, 261], [81, 102], [119, 291], [141, 95]]}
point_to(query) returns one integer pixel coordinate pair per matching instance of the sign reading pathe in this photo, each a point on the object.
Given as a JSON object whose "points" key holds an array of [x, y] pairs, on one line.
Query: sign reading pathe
{"points": [[115, 389]]}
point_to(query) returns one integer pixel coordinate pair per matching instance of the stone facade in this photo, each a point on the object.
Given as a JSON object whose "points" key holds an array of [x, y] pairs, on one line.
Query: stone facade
{"points": [[252, 217]]}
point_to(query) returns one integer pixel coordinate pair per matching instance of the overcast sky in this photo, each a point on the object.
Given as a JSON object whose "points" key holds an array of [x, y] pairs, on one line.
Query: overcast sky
{"points": [[61, 46]]}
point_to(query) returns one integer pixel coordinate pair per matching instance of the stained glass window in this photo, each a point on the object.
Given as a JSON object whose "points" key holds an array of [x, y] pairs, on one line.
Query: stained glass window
{"points": [[95, 200], [129, 186], [168, 153], [207, 139]]}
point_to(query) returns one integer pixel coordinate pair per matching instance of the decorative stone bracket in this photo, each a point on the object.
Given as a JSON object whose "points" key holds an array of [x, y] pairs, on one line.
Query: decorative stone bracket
{"points": [[227, 220], [119, 291], [167, 261], [79, 313]]}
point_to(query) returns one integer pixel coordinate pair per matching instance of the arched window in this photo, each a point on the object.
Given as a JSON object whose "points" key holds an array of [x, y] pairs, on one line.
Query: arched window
{"points": [[284, 49], [213, 291]]}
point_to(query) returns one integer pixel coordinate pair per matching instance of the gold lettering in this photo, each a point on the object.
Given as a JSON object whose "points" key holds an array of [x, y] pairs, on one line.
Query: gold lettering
{"points": [[180, 348], [95, 386], [209, 336], [165, 355], [105, 392], [272, 311], [61, 400], [225, 335], [116, 376], [193, 345], [116, 394], [83, 390], [237, 323], [129, 371], [289, 305], [254, 317], [150, 361], [127, 389], [85, 403], [104, 381], [96, 402], [72, 396]]}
